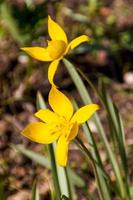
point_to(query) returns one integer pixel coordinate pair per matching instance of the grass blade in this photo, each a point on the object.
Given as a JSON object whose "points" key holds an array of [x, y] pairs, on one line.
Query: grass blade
{"points": [[86, 99], [2, 189], [35, 192], [116, 127], [40, 159], [43, 161]]}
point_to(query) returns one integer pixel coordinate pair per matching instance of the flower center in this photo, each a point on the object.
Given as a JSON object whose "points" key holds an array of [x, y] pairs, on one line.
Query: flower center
{"points": [[56, 48], [63, 126]]}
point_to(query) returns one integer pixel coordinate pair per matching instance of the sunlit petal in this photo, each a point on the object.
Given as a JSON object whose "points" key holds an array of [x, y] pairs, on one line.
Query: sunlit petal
{"points": [[40, 133], [62, 151], [51, 71], [38, 53], [84, 113], [77, 41], [47, 115], [73, 132], [60, 103], [55, 31]]}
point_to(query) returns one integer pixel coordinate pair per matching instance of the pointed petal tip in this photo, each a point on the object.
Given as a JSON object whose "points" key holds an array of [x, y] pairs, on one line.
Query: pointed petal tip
{"points": [[85, 113], [23, 48], [26, 49], [23, 132], [97, 106], [79, 40], [36, 114], [40, 132], [55, 30], [60, 103], [49, 17], [39, 53], [87, 37]]}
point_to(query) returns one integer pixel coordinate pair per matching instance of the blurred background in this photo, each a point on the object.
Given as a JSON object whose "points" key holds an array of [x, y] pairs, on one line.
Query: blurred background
{"points": [[109, 23]]}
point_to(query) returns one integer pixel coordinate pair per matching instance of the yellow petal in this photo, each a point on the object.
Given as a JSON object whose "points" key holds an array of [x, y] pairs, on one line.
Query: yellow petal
{"points": [[47, 116], [60, 103], [38, 53], [40, 133], [51, 71], [84, 113], [55, 31], [62, 151], [73, 132], [77, 41], [56, 48]]}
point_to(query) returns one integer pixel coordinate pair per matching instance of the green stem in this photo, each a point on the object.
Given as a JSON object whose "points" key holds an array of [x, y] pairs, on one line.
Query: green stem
{"points": [[83, 147]]}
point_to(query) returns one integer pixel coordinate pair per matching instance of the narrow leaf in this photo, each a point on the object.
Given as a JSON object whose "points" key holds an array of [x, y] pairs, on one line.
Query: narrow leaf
{"points": [[40, 159], [35, 192]]}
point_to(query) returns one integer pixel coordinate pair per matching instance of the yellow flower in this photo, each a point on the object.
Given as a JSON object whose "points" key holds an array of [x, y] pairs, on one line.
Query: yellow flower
{"points": [[57, 48], [59, 125]]}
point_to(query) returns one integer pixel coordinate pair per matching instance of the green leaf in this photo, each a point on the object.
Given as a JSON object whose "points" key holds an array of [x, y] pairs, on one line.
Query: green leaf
{"points": [[40, 103], [43, 161], [76, 180], [117, 132], [40, 159], [35, 192], [86, 99], [103, 186], [2, 190]]}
